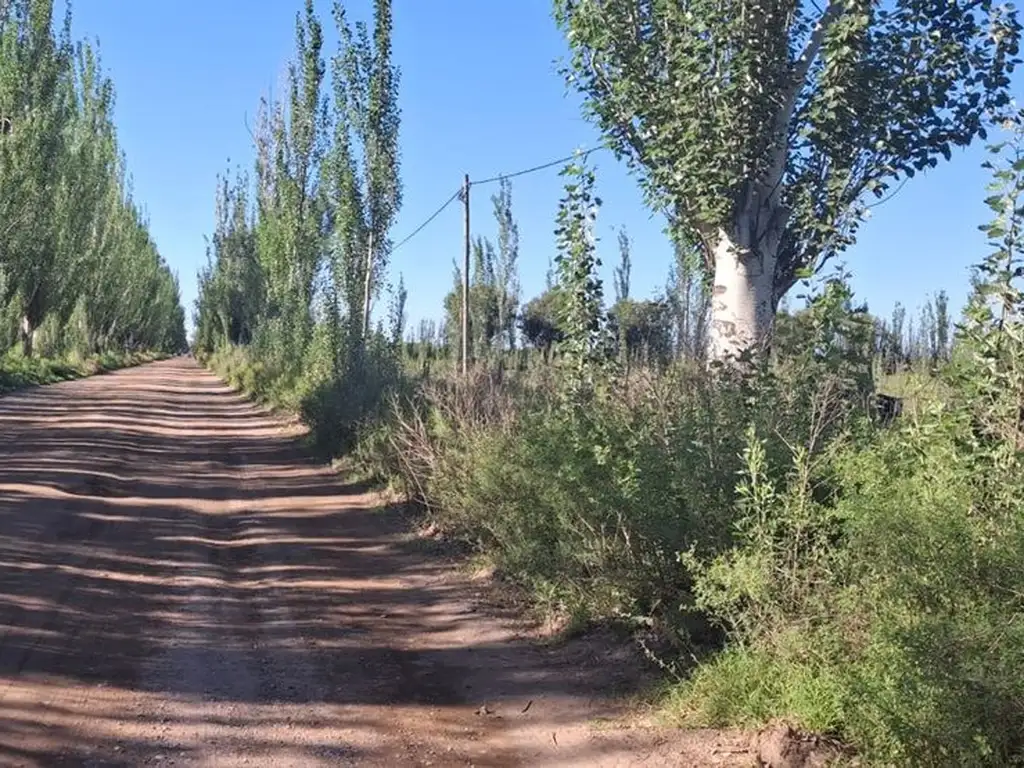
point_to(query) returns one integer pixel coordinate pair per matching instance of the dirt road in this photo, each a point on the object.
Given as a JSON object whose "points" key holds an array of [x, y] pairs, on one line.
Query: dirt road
{"points": [[180, 586]]}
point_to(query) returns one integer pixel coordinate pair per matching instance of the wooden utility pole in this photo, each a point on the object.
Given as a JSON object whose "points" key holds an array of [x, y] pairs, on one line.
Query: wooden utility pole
{"points": [[465, 283]]}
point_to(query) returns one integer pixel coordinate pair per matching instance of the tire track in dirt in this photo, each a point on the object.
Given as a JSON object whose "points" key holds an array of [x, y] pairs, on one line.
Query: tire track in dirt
{"points": [[180, 585]]}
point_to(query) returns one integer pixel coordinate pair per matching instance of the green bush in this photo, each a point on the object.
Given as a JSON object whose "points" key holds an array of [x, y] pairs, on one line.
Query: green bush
{"points": [[18, 371], [338, 392], [339, 406], [589, 505], [894, 616]]}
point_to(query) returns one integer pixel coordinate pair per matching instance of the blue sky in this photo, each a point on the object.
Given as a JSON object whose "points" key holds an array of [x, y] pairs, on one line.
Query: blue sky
{"points": [[480, 94]]}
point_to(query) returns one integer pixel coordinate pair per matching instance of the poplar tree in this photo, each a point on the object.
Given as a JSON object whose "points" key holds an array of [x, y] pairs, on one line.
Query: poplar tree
{"points": [[759, 126], [622, 271], [79, 272], [365, 189], [507, 264], [289, 233]]}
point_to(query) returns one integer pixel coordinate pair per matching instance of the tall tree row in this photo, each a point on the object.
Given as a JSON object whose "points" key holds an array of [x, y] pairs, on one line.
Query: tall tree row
{"points": [[901, 343], [298, 258], [79, 272]]}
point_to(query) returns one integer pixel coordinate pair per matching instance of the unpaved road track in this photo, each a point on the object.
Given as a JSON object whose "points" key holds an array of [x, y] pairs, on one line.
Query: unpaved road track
{"points": [[180, 586]]}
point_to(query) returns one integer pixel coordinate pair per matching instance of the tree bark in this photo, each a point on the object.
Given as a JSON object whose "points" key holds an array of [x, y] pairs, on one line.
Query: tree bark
{"points": [[743, 302], [367, 285], [27, 336], [745, 295]]}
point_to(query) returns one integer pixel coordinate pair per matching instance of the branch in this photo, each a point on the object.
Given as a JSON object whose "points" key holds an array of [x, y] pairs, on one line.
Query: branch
{"points": [[801, 67], [622, 120], [14, 223], [810, 53]]}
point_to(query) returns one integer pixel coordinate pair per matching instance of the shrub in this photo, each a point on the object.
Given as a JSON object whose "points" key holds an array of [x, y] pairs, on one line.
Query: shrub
{"points": [[894, 615], [341, 404], [891, 609], [588, 505], [337, 392], [18, 371]]}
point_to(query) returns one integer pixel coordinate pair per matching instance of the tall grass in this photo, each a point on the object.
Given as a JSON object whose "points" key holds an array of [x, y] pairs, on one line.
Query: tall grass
{"points": [[19, 372]]}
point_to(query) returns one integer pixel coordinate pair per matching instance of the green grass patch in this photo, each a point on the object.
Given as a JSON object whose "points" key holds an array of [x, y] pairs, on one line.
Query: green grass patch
{"points": [[18, 372], [744, 687], [915, 388]]}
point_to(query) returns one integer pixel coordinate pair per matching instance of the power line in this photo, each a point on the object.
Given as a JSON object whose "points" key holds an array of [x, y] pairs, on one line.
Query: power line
{"points": [[890, 196], [458, 193], [433, 216], [536, 168]]}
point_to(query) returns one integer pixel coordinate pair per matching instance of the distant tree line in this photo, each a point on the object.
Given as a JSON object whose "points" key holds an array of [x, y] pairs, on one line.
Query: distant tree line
{"points": [[901, 342], [672, 325], [79, 272]]}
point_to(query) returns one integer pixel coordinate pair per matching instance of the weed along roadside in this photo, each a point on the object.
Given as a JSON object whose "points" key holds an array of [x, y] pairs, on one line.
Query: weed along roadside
{"points": [[19, 372]]}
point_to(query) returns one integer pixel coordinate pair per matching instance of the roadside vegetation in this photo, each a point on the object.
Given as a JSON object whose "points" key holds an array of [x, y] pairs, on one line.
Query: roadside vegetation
{"points": [[19, 372], [82, 287], [713, 467]]}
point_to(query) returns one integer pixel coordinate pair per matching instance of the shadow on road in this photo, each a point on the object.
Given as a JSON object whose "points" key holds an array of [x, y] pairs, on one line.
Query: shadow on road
{"points": [[174, 574]]}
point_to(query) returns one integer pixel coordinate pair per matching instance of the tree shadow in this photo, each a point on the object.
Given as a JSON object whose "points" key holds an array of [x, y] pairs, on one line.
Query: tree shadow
{"points": [[162, 541]]}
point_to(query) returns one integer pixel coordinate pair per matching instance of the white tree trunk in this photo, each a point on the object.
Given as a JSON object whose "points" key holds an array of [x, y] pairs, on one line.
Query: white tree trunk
{"points": [[28, 336], [367, 286], [743, 307]]}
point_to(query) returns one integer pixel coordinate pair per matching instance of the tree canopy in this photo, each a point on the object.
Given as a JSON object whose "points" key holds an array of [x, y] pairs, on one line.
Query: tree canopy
{"points": [[758, 126], [79, 272]]}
